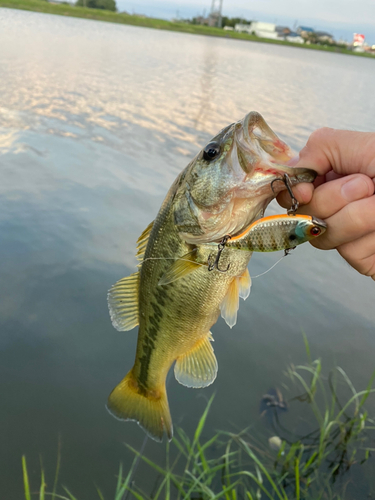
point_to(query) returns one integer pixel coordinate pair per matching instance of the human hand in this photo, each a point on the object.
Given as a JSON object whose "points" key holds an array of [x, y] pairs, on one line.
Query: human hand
{"points": [[342, 194]]}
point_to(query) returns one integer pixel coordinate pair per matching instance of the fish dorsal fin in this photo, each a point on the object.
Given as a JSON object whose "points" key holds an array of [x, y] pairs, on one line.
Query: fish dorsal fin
{"points": [[123, 303], [142, 241], [244, 285], [230, 304], [180, 268], [198, 367]]}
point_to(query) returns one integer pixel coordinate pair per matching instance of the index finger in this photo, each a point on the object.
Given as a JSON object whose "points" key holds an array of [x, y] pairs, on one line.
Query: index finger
{"points": [[343, 151]]}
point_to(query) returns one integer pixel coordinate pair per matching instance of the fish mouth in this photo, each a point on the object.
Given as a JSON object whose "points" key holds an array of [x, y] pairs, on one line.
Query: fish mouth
{"points": [[263, 154]]}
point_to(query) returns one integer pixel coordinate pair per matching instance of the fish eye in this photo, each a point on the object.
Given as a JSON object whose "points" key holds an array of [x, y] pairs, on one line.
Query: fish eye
{"points": [[211, 151], [315, 231]]}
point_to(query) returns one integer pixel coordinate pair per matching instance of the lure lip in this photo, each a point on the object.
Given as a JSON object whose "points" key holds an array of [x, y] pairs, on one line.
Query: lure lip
{"points": [[319, 222]]}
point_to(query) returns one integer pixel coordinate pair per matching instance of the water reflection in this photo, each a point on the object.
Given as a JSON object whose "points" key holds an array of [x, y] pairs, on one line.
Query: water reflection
{"points": [[207, 86], [96, 121]]}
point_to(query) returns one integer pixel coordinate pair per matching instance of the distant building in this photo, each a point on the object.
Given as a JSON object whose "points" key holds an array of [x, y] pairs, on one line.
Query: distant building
{"points": [[358, 39], [358, 43], [282, 30], [264, 30], [242, 28], [323, 36], [228, 28], [294, 38], [304, 31], [260, 26]]}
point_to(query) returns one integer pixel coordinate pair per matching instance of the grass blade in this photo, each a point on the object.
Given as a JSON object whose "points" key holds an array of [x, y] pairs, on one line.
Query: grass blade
{"points": [[202, 421], [25, 479], [71, 496], [42, 486]]}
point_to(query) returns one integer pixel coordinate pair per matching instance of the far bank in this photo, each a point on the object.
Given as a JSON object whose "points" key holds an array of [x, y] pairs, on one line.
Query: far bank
{"points": [[148, 22]]}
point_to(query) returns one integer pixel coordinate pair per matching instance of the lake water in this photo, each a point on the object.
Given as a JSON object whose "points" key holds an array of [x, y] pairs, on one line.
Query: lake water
{"points": [[96, 121]]}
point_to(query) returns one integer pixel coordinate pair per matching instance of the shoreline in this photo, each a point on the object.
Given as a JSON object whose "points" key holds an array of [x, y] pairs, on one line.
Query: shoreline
{"points": [[43, 6]]}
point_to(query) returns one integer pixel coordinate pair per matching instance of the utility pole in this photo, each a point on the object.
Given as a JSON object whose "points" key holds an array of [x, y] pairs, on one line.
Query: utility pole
{"points": [[219, 22], [215, 17]]}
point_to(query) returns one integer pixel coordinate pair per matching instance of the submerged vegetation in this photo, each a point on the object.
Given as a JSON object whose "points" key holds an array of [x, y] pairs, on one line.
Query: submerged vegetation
{"points": [[245, 465], [64, 9]]}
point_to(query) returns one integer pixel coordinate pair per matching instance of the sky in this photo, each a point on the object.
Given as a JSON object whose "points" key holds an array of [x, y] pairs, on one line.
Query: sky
{"points": [[342, 18]]}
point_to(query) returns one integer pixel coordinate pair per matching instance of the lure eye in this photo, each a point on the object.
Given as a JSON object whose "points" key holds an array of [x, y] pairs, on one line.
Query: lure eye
{"points": [[315, 231], [211, 151]]}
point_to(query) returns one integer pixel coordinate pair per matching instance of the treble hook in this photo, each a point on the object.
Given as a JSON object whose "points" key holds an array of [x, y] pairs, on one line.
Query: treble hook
{"points": [[215, 264], [295, 204], [288, 250]]}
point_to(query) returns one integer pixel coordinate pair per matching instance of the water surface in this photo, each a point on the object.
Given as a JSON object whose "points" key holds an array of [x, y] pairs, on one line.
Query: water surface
{"points": [[96, 121]]}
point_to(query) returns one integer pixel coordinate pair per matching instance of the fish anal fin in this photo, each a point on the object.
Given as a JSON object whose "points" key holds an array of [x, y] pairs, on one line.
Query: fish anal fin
{"points": [[244, 283], [148, 408], [142, 241], [180, 268], [198, 367], [123, 303], [230, 304]]}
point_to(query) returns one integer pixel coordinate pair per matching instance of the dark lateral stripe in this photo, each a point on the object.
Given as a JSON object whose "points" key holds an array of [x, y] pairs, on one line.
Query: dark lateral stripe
{"points": [[151, 334]]}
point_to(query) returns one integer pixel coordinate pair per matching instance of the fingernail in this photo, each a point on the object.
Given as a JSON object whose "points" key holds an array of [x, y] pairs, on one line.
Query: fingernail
{"points": [[354, 189]]}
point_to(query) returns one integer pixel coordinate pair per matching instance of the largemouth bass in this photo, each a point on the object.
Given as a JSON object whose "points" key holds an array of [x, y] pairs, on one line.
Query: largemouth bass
{"points": [[225, 188]]}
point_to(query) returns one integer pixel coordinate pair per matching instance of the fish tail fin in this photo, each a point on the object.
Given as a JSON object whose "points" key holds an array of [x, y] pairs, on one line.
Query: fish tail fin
{"points": [[149, 408]]}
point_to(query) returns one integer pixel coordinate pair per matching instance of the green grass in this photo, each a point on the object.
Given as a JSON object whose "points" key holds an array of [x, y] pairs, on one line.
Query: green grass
{"points": [[114, 17], [241, 465]]}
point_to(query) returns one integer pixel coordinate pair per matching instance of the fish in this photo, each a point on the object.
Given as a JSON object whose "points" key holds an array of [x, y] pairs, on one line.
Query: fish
{"points": [[223, 190]]}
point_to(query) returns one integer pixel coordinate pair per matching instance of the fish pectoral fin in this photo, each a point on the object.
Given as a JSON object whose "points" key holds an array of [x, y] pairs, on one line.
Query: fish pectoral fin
{"points": [[123, 303], [244, 283], [142, 241], [198, 367], [149, 408], [180, 268], [230, 304]]}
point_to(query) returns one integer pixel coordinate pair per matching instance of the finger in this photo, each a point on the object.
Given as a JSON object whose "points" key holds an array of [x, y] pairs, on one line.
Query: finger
{"points": [[329, 197], [354, 221], [332, 196], [361, 254], [343, 151], [302, 192]]}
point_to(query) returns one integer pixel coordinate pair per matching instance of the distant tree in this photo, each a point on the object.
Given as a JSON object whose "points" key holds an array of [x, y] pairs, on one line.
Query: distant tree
{"points": [[232, 21], [225, 21], [97, 4]]}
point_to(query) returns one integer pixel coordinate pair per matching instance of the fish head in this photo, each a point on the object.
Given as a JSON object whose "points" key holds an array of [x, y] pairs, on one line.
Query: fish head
{"points": [[229, 184]]}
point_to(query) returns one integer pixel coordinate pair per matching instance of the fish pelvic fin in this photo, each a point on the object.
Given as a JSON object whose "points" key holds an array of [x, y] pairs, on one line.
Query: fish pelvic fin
{"points": [[149, 408], [123, 303], [198, 367], [230, 304], [180, 268], [244, 283]]}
